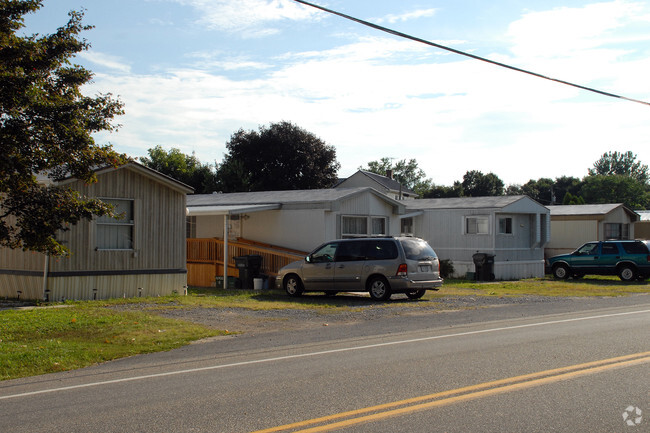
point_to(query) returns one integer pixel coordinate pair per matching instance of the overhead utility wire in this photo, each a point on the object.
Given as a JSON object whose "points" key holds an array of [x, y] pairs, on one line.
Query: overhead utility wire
{"points": [[462, 53]]}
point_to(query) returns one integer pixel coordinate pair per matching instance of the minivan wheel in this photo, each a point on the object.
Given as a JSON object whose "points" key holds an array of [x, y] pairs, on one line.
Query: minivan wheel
{"points": [[627, 273], [561, 272], [293, 285], [417, 294], [379, 289]]}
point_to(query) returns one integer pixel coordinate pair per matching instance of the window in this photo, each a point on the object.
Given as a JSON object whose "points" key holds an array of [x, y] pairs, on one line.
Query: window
{"points": [[406, 226], [114, 233], [617, 231], [378, 225], [354, 226], [610, 249], [363, 226], [381, 249], [505, 226], [476, 225]]}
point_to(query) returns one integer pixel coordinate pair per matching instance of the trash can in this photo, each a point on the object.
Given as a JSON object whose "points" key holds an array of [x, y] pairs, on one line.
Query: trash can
{"points": [[249, 268], [484, 266]]}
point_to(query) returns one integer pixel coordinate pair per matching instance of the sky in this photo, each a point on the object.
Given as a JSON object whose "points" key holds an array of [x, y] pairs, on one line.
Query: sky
{"points": [[193, 72]]}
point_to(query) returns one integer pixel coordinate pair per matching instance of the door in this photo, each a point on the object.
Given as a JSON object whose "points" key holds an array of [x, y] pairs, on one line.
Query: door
{"points": [[318, 270], [350, 259], [585, 259]]}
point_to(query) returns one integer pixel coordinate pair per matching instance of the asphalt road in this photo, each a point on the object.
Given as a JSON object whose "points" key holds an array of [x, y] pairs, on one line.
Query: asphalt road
{"points": [[576, 365]]}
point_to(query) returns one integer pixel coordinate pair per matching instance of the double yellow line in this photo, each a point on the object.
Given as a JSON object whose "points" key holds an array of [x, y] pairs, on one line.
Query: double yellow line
{"points": [[403, 407]]}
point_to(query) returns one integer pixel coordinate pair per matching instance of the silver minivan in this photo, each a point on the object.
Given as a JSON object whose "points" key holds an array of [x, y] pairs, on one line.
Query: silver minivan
{"points": [[380, 266]]}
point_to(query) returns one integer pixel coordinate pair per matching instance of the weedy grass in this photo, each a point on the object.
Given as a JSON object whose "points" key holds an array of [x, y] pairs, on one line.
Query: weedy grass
{"points": [[45, 340]]}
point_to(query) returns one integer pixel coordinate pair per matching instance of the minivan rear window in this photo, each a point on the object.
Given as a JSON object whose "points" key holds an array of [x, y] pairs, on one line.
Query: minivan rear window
{"points": [[418, 249]]}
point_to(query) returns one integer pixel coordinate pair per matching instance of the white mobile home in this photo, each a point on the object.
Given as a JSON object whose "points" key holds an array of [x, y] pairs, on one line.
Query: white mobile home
{"points": [[514, 229]]}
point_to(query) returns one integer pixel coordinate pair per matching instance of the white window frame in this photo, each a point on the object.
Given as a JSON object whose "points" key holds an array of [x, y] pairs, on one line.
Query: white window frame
{"points": [[365, 224], [482, 222], [108, 223], [406, 223]]}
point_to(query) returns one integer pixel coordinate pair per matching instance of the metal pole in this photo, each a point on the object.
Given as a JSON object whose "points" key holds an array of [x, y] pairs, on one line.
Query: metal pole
{"points": [[225, 251]]}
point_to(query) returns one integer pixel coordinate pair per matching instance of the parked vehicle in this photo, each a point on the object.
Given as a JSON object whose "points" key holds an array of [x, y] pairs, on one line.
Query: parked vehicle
{"points": [[380, 266], [627, 259]]}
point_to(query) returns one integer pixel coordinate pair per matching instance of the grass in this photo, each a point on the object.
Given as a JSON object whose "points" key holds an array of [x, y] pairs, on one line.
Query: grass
{"points": [[77, 334]]}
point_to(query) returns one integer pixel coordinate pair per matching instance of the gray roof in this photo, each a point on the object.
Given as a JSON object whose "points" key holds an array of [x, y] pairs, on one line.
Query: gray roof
{"points": [[644, 214], [386, 182], [305, 196], [584, 209], [496, 202]]}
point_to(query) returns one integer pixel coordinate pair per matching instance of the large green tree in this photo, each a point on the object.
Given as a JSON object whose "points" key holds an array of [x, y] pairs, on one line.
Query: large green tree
{"points": [[615, 189], [184, 168], [477, 184], [46, 127], [281, 156], [408, 173], [620, 163]]}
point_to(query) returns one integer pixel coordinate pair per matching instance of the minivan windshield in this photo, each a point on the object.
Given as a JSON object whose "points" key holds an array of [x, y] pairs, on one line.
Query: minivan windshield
{"points": [[417, 249]]}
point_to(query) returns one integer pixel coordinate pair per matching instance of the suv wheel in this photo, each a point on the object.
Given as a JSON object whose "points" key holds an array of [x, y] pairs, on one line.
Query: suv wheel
{"points": [[379, 289], [293, 285], [417, 294], [561, 272], [627, 273]]}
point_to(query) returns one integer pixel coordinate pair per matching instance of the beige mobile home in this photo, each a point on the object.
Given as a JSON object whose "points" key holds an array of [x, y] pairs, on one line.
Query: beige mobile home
{"points": [[574, 225], [143, 254], [279, 225]]}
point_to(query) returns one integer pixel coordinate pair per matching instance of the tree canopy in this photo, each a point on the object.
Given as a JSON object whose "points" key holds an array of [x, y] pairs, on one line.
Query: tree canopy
{"points": [[405, 172], [477, 184], [620, 163], [46, 127], [281, 156], [184, 168]]}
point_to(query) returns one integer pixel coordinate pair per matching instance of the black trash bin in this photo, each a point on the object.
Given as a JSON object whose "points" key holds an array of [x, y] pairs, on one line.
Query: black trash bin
{"points": [[249, 268], [484, 266]]}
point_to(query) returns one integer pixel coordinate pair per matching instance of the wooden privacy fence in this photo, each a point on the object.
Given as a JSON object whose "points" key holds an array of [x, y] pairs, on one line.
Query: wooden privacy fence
{"points": [[205, 259]]}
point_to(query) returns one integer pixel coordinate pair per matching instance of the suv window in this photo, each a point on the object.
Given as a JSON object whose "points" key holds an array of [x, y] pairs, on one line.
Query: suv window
{"points": [[324, 254], [610, 249], [588, 249], [417, 249], [635, 247], [380, 249]]}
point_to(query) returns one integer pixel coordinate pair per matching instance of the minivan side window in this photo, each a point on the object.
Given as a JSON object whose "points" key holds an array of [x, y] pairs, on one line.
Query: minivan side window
{"points": [[324, 254], [380, 249], [350, 252]]}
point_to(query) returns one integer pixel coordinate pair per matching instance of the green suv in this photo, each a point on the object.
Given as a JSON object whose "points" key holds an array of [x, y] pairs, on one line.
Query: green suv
{"points": [[630, 260]]}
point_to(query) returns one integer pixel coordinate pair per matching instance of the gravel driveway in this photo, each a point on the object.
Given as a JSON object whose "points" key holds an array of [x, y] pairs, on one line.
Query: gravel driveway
{"points": [[353, 309]]}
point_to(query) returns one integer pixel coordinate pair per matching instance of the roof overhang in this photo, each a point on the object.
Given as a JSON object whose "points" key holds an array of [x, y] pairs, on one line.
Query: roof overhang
{"points": [[229, 209]]}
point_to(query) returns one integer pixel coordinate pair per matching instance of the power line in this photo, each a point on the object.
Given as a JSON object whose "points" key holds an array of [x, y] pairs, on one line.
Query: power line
{"points": [[472, 56]]}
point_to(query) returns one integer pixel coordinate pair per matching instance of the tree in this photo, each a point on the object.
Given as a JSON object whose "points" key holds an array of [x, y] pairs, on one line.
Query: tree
{"points": [[625, 164], [477, 184], [405, 172], [282, 156], [440, 191], [184, 168], [46, 127], [615, 189]]}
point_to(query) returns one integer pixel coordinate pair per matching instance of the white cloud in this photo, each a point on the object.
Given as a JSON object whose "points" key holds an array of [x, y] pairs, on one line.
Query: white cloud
{"points": [[114, 63], [420, 13], [250, 17]]}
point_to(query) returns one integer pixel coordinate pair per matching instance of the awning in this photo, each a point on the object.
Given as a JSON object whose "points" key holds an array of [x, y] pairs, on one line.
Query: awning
{"points": [[230, 209]]}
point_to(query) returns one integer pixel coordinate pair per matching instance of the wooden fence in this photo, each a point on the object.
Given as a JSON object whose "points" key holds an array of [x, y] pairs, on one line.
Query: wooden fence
{"points": [[205, 259]]}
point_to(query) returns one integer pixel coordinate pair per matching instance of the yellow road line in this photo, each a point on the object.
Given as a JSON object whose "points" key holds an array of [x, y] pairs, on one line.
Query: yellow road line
{"points": [[462, 394]]}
